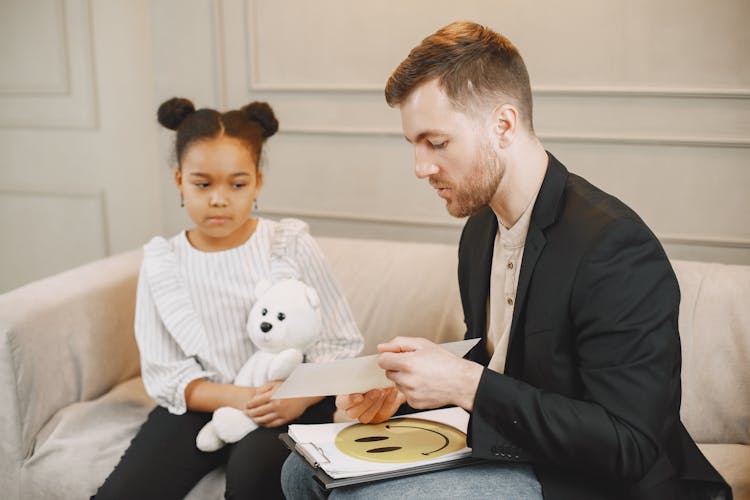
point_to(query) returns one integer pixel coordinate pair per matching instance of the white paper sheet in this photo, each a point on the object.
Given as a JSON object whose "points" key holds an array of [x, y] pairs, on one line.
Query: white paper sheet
{"points": [[347, 376]]}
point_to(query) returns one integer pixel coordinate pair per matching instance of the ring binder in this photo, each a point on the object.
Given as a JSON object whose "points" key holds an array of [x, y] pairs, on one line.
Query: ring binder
{"points": [[307, 455]]}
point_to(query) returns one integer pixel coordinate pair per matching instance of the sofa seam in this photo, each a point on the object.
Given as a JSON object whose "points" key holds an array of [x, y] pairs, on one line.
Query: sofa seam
{"points": [[693, 308], [8, 334], [26, 451]]}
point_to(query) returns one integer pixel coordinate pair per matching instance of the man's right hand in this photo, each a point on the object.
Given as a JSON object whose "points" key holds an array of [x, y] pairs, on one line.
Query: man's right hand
{"points": [[372, 407]]}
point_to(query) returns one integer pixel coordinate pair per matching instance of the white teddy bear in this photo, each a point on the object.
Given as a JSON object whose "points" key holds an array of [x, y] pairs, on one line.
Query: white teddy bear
{"points": [[284, 322]]}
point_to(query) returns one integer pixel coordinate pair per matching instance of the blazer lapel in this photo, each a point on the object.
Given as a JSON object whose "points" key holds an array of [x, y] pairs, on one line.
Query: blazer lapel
{"points": [[545, 212]]}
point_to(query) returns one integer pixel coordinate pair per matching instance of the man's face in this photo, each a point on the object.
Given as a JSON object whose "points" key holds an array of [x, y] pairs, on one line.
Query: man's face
{"points": [[451, 149]]}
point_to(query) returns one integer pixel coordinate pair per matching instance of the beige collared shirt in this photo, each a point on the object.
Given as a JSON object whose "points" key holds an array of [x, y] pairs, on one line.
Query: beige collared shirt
{"points": [[506, 264]]}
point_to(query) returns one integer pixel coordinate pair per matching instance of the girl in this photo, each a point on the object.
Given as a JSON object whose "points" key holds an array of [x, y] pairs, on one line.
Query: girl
{"points": [[194, 295]]}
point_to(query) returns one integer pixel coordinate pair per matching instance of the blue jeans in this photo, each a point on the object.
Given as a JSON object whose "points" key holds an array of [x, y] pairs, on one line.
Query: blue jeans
{"points": [[496, 480]]}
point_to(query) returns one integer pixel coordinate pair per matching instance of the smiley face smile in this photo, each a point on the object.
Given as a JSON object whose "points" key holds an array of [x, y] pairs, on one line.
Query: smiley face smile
{"points": [[401, 440]]}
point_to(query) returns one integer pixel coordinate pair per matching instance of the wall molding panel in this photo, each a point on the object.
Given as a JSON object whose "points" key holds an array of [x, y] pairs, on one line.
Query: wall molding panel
{"points": [[75, 221], [55, 81], [619, 112], [726, 142], [256, 83], [66, 99], [605, 114], [456, 224], [218, 31]]}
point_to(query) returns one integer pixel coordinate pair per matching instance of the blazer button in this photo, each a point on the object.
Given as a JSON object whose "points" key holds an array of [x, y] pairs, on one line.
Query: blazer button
{"points": [[495, 450]]}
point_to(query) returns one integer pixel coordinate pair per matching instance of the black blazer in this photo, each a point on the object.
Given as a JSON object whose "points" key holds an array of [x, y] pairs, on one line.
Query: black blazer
{"points": [[591, 391]]}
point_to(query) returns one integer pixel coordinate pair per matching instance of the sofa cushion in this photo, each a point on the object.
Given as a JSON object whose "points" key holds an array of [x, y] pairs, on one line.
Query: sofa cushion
{"points": [[69, 338], [733, 463], [397, 288], [78, 448], [715, 335]]}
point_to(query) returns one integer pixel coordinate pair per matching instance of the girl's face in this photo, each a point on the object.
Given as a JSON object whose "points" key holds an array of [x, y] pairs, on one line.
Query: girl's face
{"points": [[219, 182]]}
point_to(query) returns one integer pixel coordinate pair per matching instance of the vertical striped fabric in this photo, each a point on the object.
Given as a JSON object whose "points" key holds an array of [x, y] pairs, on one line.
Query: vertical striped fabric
{"points": [[220, 286]]}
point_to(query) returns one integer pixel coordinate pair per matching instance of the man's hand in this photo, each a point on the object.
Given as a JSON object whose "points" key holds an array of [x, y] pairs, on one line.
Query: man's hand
{"points": [[428, 375], [372, 407], [274, 413]]}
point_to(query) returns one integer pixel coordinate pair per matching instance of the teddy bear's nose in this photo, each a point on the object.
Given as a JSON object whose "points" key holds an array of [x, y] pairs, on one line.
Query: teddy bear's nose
{"points": [[265, 327]]}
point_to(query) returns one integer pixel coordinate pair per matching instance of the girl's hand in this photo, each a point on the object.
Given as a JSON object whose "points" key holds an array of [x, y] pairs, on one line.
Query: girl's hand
{"points": [[202, 395], [276, 412], [243, 396]]}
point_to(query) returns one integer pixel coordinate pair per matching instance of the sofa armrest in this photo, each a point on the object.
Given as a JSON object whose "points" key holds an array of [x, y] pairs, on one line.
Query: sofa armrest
{"points": [[63, 339]]}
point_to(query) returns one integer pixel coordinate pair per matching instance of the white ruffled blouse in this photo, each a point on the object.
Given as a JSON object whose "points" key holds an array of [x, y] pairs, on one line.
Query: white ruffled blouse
{"points": [[192, 306]]}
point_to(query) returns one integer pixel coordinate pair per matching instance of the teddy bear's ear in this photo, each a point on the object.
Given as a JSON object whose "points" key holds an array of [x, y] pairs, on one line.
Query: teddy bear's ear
{"points": [[261, 288], [312, 297]]}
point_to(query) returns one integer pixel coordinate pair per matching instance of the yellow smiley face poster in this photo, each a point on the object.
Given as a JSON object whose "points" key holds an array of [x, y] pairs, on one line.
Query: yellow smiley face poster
{"points": [[401, 440]]}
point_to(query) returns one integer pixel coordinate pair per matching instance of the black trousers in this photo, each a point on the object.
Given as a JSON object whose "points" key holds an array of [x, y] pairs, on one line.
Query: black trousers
{"points": [[163, 462]]}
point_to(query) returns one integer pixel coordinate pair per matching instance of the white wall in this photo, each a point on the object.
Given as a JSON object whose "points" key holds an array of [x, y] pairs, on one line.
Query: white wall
{"points": [[78, 146], [649, 100]]}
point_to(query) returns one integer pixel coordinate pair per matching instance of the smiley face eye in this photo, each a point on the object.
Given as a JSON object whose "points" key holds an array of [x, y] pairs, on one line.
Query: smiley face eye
{"points": [[264, 311], [370, 439], [281, 316], [384, 449]]}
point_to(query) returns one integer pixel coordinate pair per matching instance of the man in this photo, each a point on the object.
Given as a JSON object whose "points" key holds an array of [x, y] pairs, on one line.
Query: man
{"points": [[574, 388]]}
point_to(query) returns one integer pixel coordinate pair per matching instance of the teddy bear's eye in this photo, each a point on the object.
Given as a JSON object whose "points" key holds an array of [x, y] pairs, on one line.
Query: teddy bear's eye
{"points": [[264, 311], [281, 316]]}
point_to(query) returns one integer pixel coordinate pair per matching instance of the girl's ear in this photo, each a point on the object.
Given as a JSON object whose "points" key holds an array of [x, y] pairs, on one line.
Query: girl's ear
{"points": [[178, 183]]}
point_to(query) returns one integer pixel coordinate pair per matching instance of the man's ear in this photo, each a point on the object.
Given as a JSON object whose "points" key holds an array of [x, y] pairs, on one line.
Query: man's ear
{"points": [[505, 123]]}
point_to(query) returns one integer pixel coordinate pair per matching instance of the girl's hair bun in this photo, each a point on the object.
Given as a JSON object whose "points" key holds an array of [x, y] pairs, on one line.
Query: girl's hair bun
{"points": [[262, 113], [174, 111]]}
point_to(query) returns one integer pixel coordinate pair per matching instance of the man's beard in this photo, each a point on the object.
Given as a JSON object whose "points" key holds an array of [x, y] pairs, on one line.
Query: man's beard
{"points": [[476, 191]]}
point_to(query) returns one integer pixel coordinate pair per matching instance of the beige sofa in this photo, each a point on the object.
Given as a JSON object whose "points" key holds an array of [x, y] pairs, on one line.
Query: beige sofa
{"points": [[71, 398]]}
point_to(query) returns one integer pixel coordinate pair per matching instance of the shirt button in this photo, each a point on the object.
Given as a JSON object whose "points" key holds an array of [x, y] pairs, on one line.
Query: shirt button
{"points": [[509, 300], [510, 265]]}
